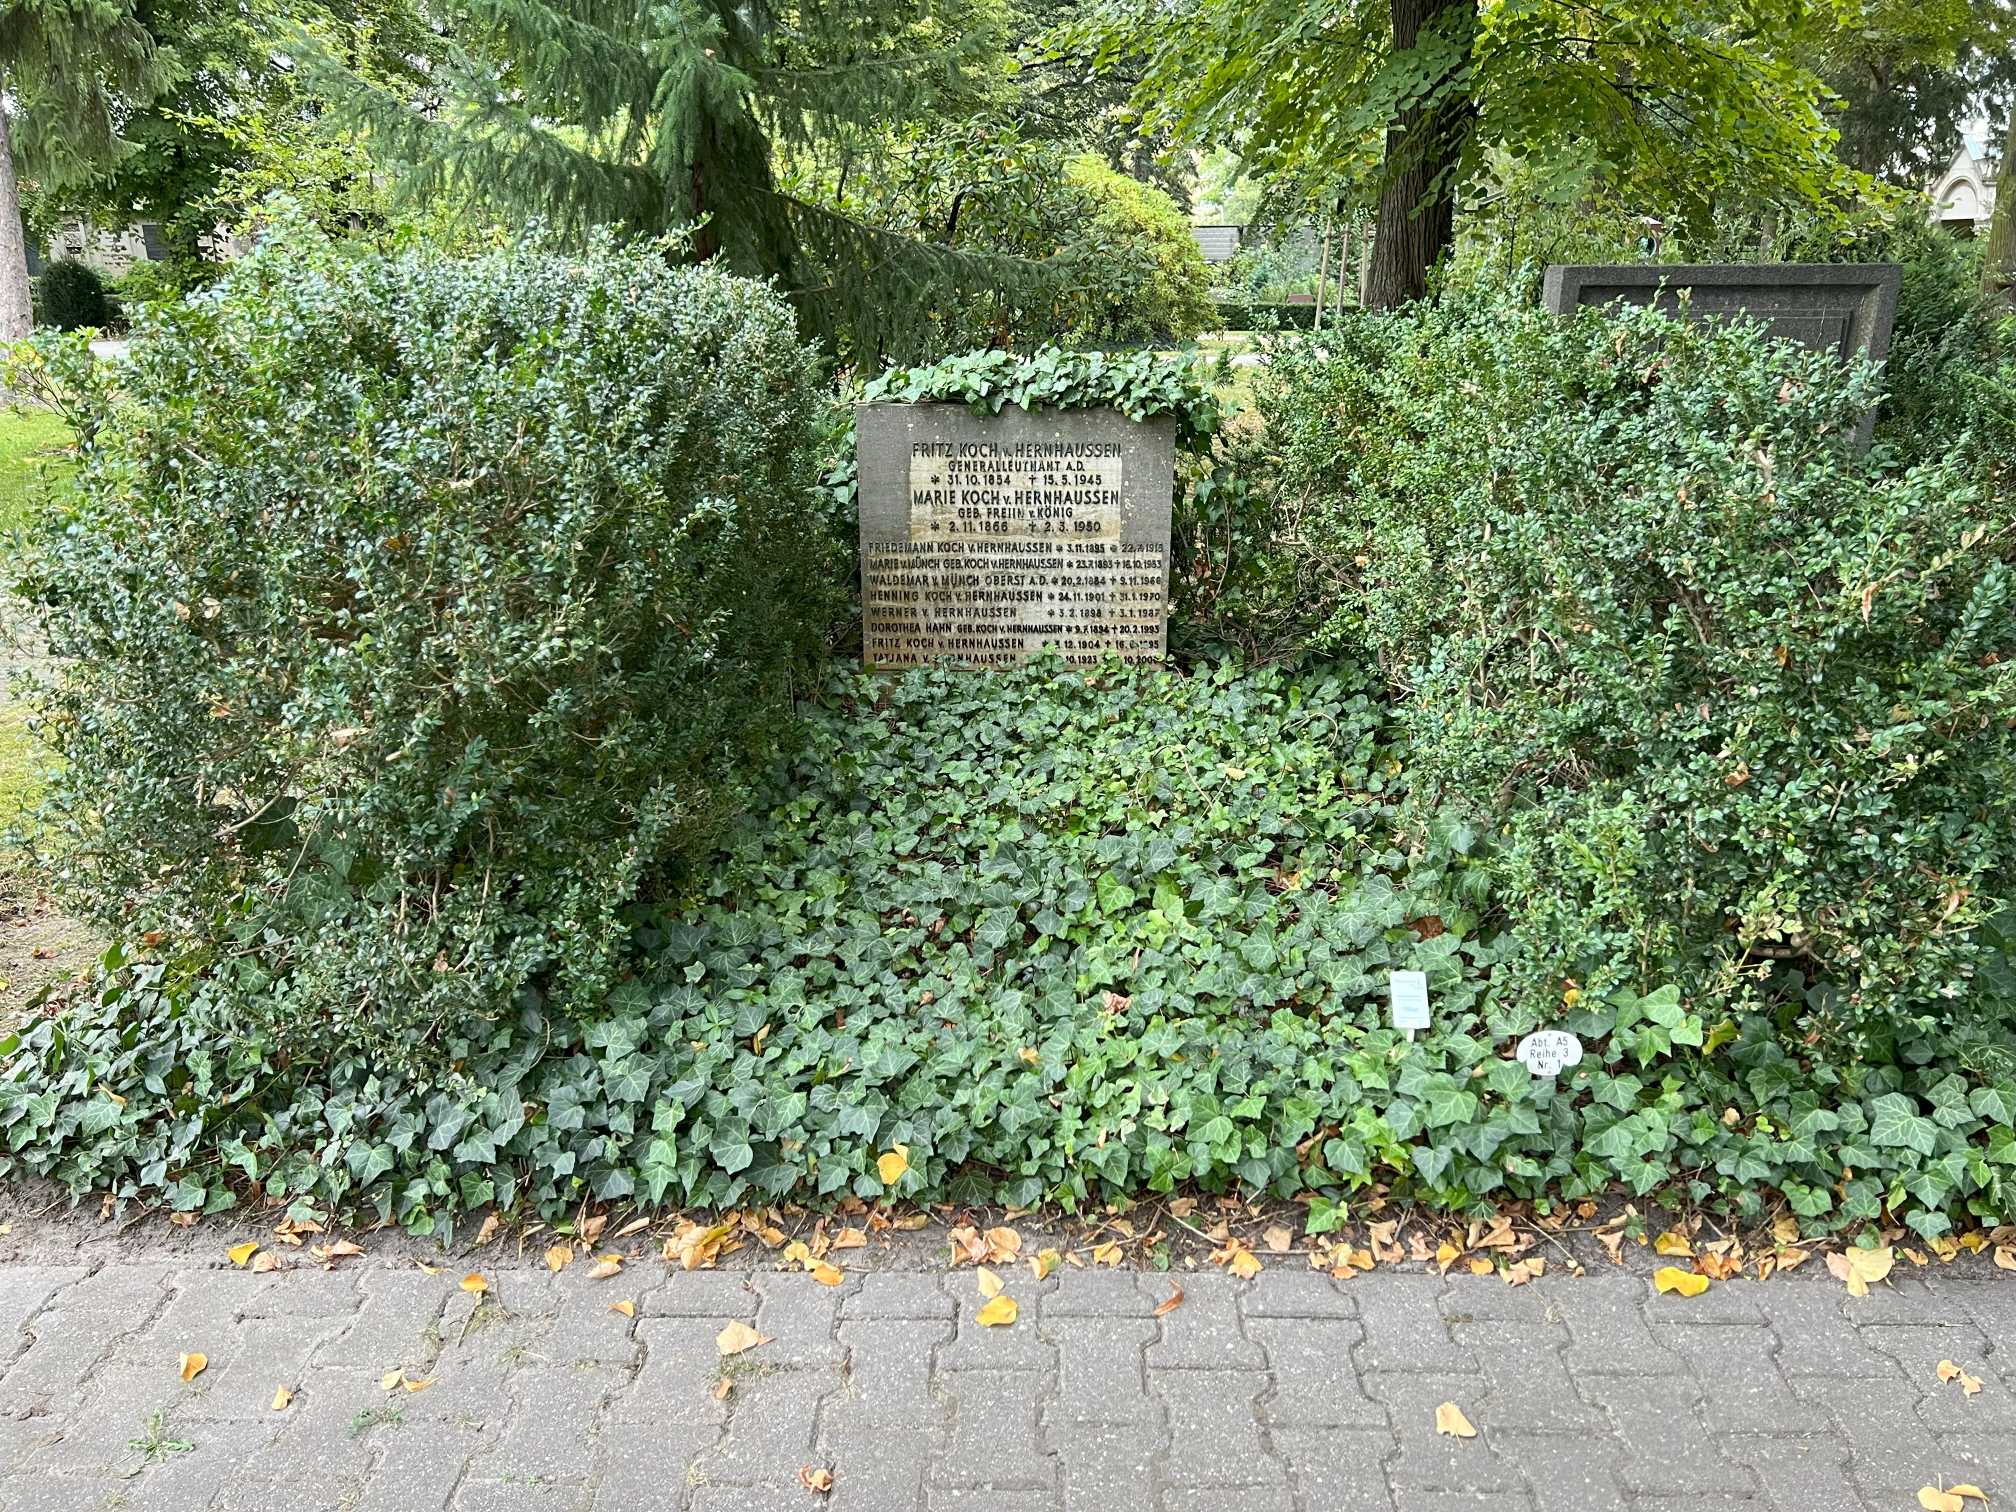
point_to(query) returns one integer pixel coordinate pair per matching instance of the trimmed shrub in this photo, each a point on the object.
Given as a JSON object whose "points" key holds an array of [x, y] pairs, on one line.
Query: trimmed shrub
{"points": [[71, 296], [1738, 705], [1156, 285], [414, 617]]}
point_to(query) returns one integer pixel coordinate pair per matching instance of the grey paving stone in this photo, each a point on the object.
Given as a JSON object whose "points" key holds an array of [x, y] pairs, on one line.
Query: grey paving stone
{"points": [[1668, 1450], [1214, 1428], [1405, 1329], [1018, 1346], [420, 1466], [1733, 1302], [522, 1496], [701, 1294], [1204, 1332], [1890, 1448], [1337, 1469], [1744, 1391], [1101, 1373], [1476, 1501], [1101, 1294], [1212, 1499], [1986, 1459], [1299, 1294], [1469, 1299], [1567, 1472], [1107, 1467], [681, 1368], [799, 1315], [888, 1376], [1609, 1334], [993, 1440], [1432, 1461], [656, 1469], [554, 1427], [300, 1291], [875, 1469], [772, 1426], [987, 1499], [1528, 1386], [896, 1294], [1910, 1301], [1798, 1474], [1816, 1338], [1313, 1381]]}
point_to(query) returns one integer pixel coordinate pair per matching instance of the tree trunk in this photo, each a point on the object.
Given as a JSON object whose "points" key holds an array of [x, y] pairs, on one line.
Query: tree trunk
{"points": [[1998, 270], [1417, 205], [17, 309]]}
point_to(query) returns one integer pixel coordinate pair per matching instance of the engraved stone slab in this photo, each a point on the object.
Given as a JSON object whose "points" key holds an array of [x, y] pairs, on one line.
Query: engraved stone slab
{"points": [[987, 538], [1844, 308]]}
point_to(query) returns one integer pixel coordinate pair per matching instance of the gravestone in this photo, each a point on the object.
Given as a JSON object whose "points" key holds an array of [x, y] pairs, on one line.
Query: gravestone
{"points": [[987, 538], [1844, 308]]}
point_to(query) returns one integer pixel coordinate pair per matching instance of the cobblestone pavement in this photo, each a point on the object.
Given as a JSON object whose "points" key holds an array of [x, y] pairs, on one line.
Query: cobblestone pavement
{"points": [[1290, 1392]]}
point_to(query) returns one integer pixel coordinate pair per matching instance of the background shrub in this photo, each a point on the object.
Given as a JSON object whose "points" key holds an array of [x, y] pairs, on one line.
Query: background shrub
{"points": [[71, 296], [1736, 702], [416, 616]]}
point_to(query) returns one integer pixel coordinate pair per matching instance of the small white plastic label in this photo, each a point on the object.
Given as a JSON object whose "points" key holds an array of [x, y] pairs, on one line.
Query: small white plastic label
{"points": [[1549, 1052], [1410, 999]]}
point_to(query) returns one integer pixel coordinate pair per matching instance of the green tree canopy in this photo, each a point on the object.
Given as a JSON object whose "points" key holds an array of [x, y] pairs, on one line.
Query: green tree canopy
{"points": [[675, 117], [1411, 102]]}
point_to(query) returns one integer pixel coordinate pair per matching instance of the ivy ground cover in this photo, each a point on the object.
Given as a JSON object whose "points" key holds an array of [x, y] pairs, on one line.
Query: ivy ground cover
{"points": [[1059, 937]]}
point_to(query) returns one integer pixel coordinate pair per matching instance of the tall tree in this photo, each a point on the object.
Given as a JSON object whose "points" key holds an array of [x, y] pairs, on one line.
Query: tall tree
{"points": [[1907, 76], [69, 70], [1999, 256], [675, 117], [1692, 102]]}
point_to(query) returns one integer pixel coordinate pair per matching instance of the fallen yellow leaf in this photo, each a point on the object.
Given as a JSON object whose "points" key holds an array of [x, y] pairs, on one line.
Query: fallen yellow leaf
{"points": [[603, 1269], [264, 1262], [1449, 1420], [818, 1482], [1674, 1243], [559, 1257], [890, 1167], [1946, 1370], [390, 1380], [1859, 1268], [738, 1337], [1043, 1262], [1106, 1254], [1278, 1239], [281, 1397], [1670, 1278], [990, 1284], [241, 1254], [625, 1307], [412, 1385], [192, 1365], [999, 1313], [474, 1283], [825, 1274], [1446, 1255], [1932, 1499]]}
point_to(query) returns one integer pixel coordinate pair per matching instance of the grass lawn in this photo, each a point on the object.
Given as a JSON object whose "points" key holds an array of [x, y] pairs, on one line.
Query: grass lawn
{"points": [[34, 447]]}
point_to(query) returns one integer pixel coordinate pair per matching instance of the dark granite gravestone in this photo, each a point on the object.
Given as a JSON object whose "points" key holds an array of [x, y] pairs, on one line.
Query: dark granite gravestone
{"points": [[1844, 308], [987, 538]]}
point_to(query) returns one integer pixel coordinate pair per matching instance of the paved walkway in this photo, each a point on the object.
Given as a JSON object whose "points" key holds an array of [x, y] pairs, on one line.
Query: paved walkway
{"points": [[1290, 1392]]}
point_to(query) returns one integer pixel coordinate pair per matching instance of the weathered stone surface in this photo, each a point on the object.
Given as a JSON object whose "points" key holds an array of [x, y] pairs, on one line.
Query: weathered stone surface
{"points": [[987, 538]]}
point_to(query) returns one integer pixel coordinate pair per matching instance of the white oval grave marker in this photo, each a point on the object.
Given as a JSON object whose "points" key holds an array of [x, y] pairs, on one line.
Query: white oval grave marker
{"points": [[1547, 1052]]}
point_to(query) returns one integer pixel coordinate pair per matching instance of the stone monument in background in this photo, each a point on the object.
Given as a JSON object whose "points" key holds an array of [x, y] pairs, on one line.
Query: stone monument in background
{"points": [[1844, 308], [987, 538]]}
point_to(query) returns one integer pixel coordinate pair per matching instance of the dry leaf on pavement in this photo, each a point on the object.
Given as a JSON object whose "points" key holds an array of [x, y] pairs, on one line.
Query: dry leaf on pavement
{"points": [[1169, 1303], [192, 1365], [474, 1284], [1670, 1278], [559, 1257], [990, 1284], [737, 1337], [625, 1307], [241, 1254], [281, 1397], [818, 1482], [1449, 1420], [1000, 1313]]}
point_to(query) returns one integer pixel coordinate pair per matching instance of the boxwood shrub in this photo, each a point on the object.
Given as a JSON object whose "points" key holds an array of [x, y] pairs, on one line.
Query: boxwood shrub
{"points": [[415, 616], [1735, 702]]}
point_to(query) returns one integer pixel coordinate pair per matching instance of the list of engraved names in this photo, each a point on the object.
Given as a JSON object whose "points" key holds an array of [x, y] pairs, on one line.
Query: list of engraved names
{"points": [[1014, 544]]}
